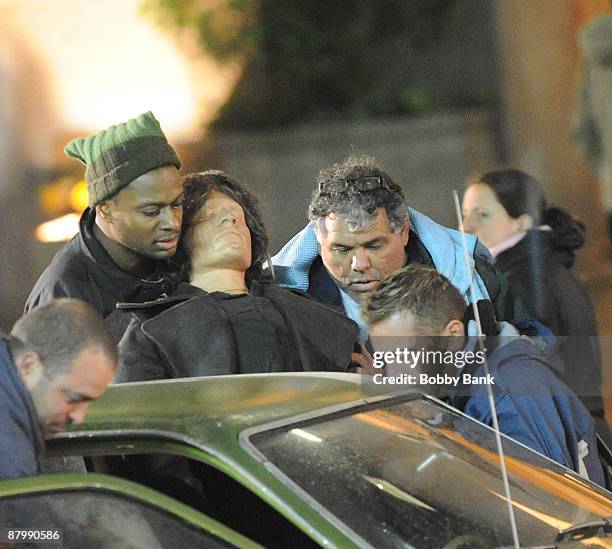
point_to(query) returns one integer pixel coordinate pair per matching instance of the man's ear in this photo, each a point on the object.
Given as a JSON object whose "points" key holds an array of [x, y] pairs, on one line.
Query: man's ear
{"points": [[104, 210], [454, 328], [30, 368], [316, 227]]}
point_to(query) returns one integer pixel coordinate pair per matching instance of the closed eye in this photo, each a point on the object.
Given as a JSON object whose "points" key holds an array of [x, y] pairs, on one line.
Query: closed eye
{"points": [[341, 249], [75, 398], [479, 214], [151, 212]]}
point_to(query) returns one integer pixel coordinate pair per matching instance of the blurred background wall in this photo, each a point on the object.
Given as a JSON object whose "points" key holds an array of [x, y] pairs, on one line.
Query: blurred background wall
{"points": [[438, 90]]}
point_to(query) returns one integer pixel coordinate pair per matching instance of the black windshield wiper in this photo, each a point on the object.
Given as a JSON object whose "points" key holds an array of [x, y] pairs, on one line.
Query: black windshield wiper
{"points": [[585, 530]]}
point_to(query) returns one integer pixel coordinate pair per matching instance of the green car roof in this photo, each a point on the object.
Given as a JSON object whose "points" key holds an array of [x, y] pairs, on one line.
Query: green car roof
{"points": [[202, 418], [214, 408]]}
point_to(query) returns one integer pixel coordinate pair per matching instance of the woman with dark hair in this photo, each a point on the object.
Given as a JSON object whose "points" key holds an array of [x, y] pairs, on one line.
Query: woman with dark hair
{"points": [[226, 316], [534, 246]]}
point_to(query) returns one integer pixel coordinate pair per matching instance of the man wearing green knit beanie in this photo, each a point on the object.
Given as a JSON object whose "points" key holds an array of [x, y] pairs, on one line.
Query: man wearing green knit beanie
{"points": [[131, 227]]}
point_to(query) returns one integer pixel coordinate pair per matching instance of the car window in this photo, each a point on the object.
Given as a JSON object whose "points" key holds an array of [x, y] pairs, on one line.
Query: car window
{"points": [[209, 491], [98, 520], [414, 474]]}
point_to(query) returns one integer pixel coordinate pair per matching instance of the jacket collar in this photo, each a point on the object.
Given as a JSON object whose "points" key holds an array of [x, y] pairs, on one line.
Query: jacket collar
{"points": [[183, 292], [89, 243], [536, 245], [91, 247], [6, 357], [443, 246], [136, 289]]}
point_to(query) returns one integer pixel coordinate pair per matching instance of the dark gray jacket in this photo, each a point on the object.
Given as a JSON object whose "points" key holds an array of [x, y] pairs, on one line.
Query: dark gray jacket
{"points": [[188, 334], [541, 275], [21, 441]]}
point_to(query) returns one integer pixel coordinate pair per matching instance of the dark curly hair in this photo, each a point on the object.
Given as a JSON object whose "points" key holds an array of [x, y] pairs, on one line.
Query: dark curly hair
{"points": [[358, 207], [196, 188], [520, 193]]}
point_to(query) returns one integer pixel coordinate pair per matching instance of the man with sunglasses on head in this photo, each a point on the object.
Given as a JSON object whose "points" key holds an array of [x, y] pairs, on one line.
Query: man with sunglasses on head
{"points": [[361, 231]]}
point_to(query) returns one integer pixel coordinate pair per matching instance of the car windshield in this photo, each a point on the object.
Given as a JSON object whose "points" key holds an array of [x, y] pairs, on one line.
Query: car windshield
{"points": [[415, 474]]}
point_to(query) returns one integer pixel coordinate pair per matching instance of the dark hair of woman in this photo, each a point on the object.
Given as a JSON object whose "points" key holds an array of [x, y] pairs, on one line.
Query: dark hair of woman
{"points": [[519, 193], [196, 188]]}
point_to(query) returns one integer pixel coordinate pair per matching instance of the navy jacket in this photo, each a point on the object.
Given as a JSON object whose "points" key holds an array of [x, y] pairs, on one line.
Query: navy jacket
{"points": [[534, 407], [21, 441]]}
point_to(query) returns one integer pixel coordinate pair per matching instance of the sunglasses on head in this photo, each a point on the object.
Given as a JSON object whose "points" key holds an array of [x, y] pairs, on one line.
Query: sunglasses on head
{"points": [[362, 184]]}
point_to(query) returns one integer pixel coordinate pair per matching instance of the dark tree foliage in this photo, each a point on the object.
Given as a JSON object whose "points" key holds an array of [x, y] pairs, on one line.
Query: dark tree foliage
{"points": [[312, 59]]}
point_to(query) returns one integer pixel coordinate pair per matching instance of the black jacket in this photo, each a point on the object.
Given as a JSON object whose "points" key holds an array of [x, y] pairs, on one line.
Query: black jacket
{"points": [[188, 334], [541, 276], [83, 269]]}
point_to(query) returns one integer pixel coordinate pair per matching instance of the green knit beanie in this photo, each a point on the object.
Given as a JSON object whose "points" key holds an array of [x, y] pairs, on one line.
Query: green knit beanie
{"points": [[116, 156]]}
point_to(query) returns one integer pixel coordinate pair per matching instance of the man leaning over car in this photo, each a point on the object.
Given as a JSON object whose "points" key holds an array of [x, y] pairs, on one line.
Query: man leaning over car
{"points": [[57, 360]]}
